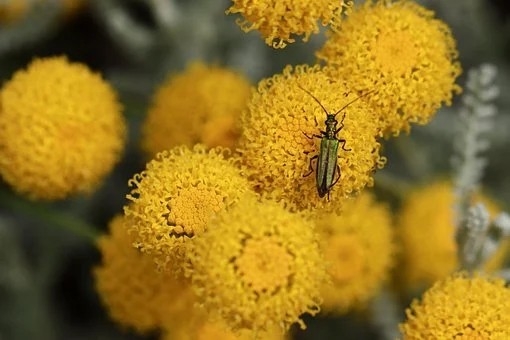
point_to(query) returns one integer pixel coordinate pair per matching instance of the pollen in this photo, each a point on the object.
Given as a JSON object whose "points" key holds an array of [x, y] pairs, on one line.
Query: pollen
{"points": [[280, 21], [61, 129], [395, 53], [176, 197], [200, 105], [401, 51], [278, 144], [257, 262], [259, 267]]}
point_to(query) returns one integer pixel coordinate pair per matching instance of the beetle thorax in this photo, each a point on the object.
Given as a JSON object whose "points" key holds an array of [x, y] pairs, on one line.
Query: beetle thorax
{"points": [[331, 124]]}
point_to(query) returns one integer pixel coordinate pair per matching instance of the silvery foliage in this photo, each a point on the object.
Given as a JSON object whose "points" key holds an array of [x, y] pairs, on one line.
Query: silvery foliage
{"points": [[179, 31], [477, 236]]}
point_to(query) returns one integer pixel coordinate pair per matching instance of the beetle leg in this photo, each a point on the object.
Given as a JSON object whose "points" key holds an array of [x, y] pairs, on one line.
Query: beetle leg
{"points": [[313, 136], [343, 141], [310, 168]]}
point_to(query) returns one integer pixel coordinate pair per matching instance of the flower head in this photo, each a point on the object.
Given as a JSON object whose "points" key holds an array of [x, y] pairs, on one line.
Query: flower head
{"points": [[426, 229], [277, 142], [280, 21], [61, 129], [460, 307], [201, 105], [177, 195], [401, 51], [358, 246], [135, 294], [259, 267]]}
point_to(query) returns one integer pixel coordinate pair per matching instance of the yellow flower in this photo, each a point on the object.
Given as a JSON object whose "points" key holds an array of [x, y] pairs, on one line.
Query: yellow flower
{"points": [[279, 21], [461, 307], [276, 151], [401, 51], [201, 105], [176, 197], [259, 267], [61, 129], [358, 246], [427, 234], [136, 295]]}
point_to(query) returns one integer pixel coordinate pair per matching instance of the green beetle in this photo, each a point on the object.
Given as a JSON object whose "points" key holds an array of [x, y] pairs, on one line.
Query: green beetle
{"points": [[327, 170]]}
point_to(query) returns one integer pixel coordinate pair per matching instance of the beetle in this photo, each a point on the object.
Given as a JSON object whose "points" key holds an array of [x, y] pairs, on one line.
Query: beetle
{"points": [[327, 168]]}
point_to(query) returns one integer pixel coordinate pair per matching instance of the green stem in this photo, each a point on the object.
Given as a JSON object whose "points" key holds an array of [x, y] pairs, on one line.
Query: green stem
{"points": [[48, 214]]}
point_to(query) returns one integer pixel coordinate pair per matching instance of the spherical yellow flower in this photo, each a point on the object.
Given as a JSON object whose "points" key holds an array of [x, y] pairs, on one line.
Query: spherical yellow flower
{"points": [[136, 295], [359, 248], [201, 105], [280, 21], [460, 307], [259, 267], [61, 129], [177, 195], [426, 231], [401, 51], [277, 142]]}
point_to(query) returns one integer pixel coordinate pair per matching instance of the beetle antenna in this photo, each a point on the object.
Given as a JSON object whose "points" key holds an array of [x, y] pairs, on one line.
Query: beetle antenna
{"points": [[352, 101], [317, 100]]}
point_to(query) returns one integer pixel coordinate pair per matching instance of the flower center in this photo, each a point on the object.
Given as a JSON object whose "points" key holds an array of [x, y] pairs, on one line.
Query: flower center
{"points": [[347, 257], [192, 209], [264, 265], [395, 52]]}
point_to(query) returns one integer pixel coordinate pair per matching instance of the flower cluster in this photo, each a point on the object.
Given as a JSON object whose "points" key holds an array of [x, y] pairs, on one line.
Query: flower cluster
{"points": [[201, 105], [461, 307], [61, 129], [399, 50], [253, 234]]}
